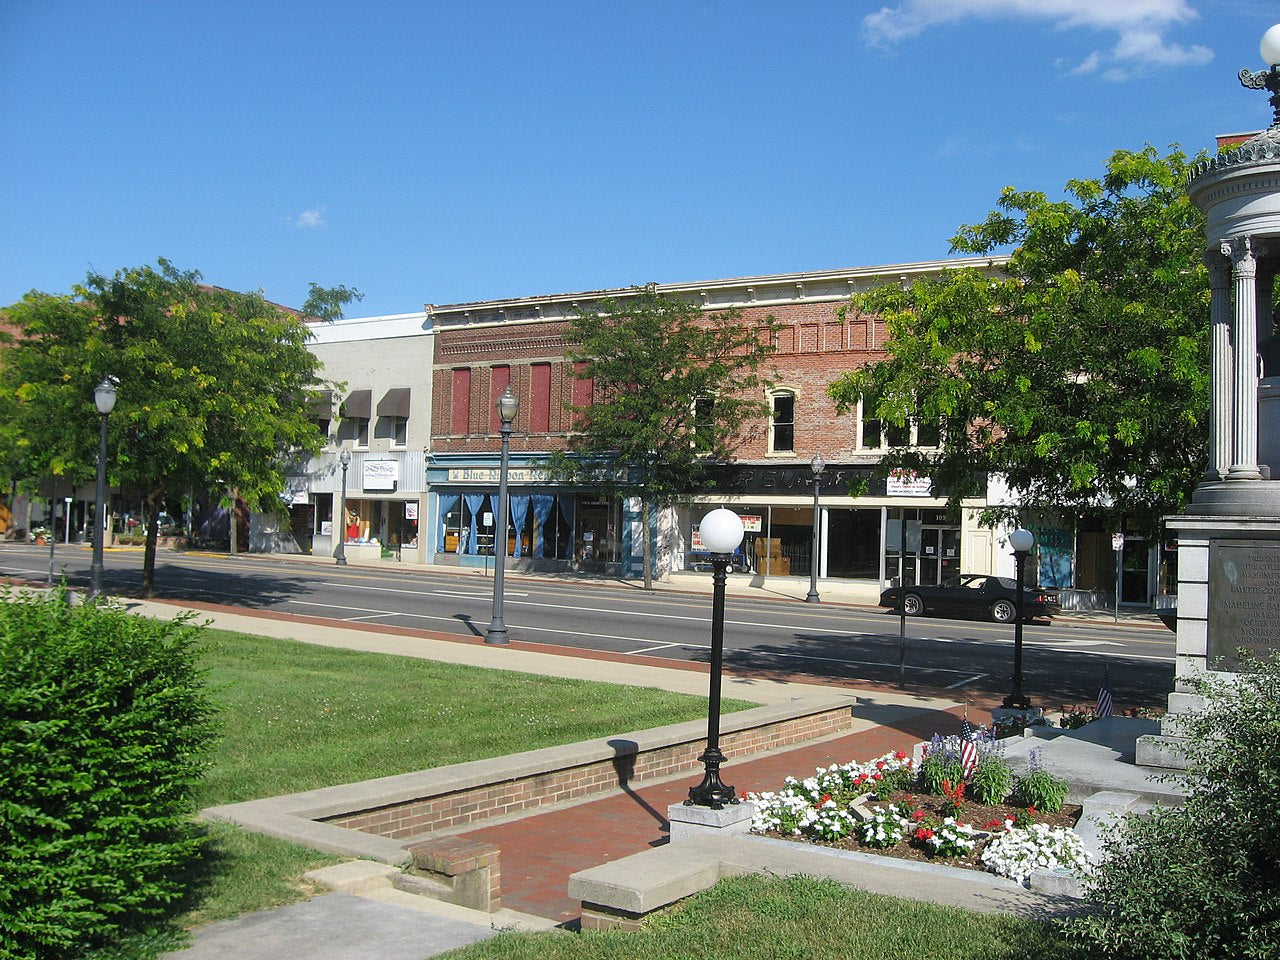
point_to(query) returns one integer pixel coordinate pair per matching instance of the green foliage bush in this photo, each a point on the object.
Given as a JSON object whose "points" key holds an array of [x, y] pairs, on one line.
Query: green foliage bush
{"points": [[104, 729], [1042, 790], [1201, 880], [934, 770], [991, 780]]}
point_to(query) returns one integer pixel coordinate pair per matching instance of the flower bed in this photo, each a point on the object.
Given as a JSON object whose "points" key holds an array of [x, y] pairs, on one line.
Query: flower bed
{"points": [[885, 807]]}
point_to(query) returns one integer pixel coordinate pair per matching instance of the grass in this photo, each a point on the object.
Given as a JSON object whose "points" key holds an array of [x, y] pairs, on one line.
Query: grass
{"points": [[792, 918], [295, 717]]}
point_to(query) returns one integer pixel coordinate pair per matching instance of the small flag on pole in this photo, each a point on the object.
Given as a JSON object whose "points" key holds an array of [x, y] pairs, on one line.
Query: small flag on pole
{"points": [[1104, 695], [968, 745]]}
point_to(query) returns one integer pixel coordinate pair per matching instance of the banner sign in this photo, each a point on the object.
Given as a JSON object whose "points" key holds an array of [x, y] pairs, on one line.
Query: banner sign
{"points": [[380, 474]]}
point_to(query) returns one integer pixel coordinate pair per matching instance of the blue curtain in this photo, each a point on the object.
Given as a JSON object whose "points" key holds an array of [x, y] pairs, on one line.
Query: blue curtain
{"points": [[445, 502], [542, 505], [475, 503], [519, 511]]}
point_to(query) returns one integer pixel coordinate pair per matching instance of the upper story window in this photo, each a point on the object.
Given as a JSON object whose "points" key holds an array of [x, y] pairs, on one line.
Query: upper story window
{"points": [[460, 416], [703, 423], [393, 416], [320, 412], [499, 380], [876, 434], [540, 398], [355, 413], [782, 424]]}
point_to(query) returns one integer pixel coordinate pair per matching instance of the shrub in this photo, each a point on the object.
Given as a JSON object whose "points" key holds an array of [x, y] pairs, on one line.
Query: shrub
{"points": [[1200, 880], [1040, 788], [991, 780], [103, 733]]}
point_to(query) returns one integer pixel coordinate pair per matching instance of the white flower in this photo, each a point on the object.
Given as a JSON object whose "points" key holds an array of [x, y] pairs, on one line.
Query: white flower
{"points": [[1017, 852]]}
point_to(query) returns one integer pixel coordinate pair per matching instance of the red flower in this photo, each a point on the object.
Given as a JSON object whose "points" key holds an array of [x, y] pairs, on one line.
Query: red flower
{"points": [[923, 833], [993, 824], [918, 815], [900, 755], [879, 764], [1031, 809]]}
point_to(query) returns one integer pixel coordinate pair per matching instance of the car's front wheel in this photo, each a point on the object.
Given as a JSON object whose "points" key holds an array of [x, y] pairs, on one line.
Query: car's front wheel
{"points": [[1003, 611], [912, 605]]}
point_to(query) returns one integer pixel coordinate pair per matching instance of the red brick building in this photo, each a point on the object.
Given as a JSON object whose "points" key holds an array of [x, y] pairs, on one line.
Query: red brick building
{"points": [[482, 347]]}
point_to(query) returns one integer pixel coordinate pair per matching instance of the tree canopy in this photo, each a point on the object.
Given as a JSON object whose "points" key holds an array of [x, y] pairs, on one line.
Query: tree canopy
{"points": [[211, 388], [673, 391], [1081, 375]]}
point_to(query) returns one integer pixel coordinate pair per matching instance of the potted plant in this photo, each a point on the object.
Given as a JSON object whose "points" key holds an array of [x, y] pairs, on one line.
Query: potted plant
{"points": [[40, 535]]}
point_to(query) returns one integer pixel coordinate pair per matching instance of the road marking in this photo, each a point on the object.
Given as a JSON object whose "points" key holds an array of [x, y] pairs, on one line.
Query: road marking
{"points": [[657, 645], [970, 680]]}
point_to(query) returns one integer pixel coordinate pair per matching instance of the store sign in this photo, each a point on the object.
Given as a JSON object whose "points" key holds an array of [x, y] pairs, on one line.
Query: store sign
{"points": [[908, 483], [410, 510], [380, 474], [752, 524], [494, 475]]}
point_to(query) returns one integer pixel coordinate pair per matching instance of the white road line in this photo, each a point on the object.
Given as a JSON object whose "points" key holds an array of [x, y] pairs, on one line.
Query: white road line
{"points": [[970, 680], [657, 645]]}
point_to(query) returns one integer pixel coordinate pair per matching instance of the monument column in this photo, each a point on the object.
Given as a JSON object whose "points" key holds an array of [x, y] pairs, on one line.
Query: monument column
{"points": [[1244, 433], [1220, 413]]}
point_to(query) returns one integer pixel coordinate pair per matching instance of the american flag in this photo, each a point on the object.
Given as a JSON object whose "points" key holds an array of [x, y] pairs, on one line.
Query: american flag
{"points": [[968, 746], [1104, 695]]}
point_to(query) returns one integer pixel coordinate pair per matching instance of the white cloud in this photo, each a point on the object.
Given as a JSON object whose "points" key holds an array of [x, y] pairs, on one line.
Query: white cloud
{"points": [[1140, 27], [309, 219]]}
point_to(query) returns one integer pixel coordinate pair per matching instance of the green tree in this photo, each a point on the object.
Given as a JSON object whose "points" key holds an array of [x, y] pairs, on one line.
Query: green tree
{"points": [[674, 390], [1081, 374], [327, 303], [1200, 880], [211, 384]]}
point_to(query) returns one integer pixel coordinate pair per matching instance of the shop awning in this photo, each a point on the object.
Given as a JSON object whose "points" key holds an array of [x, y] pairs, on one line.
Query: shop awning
{"points": [[395, 403], [358, 404], [320, 403]]}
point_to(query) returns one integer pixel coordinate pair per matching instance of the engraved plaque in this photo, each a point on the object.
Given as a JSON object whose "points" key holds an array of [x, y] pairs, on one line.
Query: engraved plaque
{"points": [[1244, 600]]}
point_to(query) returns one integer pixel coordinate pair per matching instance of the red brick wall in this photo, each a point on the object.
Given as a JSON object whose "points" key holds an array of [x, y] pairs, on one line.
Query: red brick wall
{"points": [[426, 814], [813, 348]]}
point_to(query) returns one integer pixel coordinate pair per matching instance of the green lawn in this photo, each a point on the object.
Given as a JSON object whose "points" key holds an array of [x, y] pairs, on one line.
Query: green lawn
{"points": [[792, 918], [295, 717]]}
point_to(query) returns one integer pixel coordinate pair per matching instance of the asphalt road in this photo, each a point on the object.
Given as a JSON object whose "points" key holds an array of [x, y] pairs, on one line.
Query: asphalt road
{"points": [[1063, 661]]}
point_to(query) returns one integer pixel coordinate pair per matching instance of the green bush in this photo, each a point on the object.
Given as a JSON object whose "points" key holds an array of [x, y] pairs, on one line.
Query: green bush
{"points": [[934, 771], [1042, 790], [1201, 880], [104, 728], [991, 780]]}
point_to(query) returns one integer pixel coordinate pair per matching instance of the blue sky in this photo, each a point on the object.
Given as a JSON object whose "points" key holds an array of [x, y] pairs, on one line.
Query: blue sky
{"points": [[448, 152]]}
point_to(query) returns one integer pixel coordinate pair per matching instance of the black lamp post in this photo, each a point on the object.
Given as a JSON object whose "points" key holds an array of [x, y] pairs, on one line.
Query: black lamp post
{"points": [[1021, 541], [721, 531], [817, 466], [508, 407], [340, 558], [104, 396], [1268, 79]]}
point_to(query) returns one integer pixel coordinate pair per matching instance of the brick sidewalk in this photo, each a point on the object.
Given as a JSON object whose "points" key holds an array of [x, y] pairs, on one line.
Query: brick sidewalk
{"points": [[539, 852]]}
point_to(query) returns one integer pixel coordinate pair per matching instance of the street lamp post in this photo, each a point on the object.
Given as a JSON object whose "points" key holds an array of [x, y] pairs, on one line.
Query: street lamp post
{"points": [[1021, 541], [508, 407], [816, 465], [721, 532], [1268, 79], [340, 558], [104, 396]]}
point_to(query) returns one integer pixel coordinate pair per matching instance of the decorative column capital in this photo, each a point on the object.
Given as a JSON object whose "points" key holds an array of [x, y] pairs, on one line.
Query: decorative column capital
{"points": [[1244, 252], [1219, 266]]}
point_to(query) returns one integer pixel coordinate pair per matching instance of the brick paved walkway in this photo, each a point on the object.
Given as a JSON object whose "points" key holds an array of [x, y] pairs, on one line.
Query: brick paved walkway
{"points": [[539, 852]]}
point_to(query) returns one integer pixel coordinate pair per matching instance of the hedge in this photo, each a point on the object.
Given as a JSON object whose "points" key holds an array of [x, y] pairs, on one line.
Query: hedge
{"points": [[104, 731]]}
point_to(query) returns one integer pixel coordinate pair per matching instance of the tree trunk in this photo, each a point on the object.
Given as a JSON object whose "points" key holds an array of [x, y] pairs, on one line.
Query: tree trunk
{"points": [[646, 546], [151, 517]]}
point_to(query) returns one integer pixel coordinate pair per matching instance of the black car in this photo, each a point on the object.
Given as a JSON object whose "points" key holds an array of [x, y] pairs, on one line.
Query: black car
{"points": [[973, 594]]}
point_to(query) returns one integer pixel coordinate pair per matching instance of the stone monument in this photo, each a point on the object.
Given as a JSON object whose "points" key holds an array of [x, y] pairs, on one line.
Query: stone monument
{"points": [[1229, 535]]}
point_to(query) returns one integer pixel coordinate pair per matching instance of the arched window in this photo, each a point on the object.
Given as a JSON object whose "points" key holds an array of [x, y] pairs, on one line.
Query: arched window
{"points": [[782, 422]]}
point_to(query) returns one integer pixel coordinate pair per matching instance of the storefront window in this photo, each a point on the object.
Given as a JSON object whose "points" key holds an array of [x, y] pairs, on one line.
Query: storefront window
{"points": [[541, 526]]}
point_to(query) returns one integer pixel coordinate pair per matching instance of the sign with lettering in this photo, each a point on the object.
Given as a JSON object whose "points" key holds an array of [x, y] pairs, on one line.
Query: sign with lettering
{"points": [[494, 474], [1244, 601], [380, 474], [908, 483]]}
